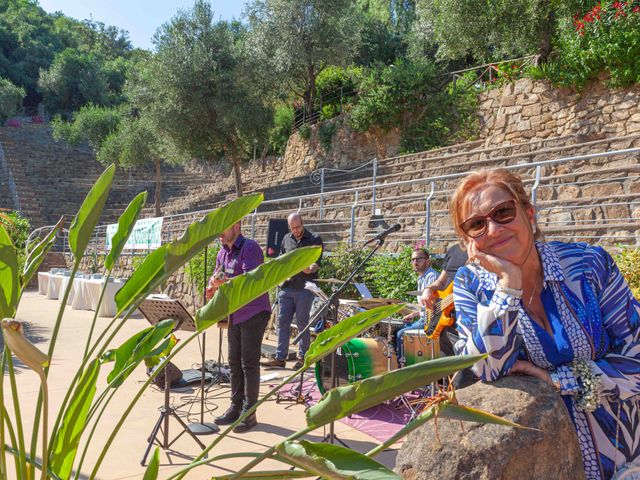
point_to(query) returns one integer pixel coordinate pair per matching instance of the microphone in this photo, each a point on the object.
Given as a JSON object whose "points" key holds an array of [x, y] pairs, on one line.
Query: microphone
{"points": [[381, 236]]}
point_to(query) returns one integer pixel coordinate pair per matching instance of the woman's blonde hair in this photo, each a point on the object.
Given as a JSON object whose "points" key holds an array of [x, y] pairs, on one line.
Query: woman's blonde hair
{"points": [[501, 178]]}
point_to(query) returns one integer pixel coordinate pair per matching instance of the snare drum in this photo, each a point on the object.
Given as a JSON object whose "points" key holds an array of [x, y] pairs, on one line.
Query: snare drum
{"points": [[357, 359], [417, 347]]}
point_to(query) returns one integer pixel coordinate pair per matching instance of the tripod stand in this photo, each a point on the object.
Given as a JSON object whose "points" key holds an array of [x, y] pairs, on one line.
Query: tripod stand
{"points": [[331, 305], [156, 310]]}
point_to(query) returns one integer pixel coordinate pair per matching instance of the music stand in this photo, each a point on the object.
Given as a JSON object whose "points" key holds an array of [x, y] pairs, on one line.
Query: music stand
{"points": [[156, 309]]}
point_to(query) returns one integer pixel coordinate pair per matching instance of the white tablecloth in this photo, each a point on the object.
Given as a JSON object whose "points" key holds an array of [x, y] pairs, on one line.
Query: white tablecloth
{"points": [[43, 282], [108, 306], [53, 288]]}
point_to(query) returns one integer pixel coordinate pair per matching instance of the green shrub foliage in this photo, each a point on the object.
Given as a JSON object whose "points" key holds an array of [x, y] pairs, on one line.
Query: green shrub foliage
{"points": [[10, 98], [628, 261], [279, 133]]}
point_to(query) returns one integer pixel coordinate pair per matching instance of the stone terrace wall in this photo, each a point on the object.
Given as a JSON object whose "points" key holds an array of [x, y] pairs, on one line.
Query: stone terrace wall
{"points": [[528, 109]]}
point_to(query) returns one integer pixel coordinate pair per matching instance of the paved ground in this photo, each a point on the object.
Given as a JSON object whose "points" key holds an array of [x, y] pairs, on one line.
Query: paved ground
{"points": [[123, 460]]}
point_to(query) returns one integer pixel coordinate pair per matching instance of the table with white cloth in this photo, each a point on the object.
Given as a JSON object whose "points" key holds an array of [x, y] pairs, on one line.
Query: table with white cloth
{"points": [[53, 287], [43, 282], [94, 287]]}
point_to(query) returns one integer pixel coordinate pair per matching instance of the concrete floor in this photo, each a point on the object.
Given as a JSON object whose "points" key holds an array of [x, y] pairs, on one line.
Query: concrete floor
{"points": [[276, 421]]}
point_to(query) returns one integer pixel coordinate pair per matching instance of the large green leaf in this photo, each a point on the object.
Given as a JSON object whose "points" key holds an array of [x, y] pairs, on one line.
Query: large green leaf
{"points": [[333, 462], [268, 475], [126, 222], [9, 276], [151, 473], [89, 213], [66, 440], [244, 288], [355, 397], [36, 255], [201, 233], [468, 414], [128, 355], [349, 328], [145, 278], [162, 262]]}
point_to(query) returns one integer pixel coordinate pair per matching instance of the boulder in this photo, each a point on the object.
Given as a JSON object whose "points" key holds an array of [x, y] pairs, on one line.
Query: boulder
{"points": [[481, 451]]}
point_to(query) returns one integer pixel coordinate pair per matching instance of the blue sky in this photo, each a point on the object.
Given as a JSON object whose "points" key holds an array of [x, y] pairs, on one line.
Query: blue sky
{"points": [[141, 18]]}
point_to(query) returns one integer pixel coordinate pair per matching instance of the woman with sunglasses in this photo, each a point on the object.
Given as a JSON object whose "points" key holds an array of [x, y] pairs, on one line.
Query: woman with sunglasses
{"points": [[561, 312]]}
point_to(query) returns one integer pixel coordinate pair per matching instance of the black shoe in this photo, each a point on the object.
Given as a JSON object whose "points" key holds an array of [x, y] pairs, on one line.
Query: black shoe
{"points": [[247, 424], [228, 417], [298, 365], [274, 362]]}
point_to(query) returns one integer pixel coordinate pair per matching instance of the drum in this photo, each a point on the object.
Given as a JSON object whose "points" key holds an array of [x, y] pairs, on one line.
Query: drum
{"points": [[381, 328], [357, 359], [417, 347]]}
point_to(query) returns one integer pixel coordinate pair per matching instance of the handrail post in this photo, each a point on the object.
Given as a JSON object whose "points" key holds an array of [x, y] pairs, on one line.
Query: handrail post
{"points": [[373, 185], [352, 233], [427, 232], [321, 193], [253, 224], [299, 204], [536, 183]]}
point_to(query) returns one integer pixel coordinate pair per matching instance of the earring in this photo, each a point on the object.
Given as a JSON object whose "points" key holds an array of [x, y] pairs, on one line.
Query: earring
{"points": [[534, 229]]}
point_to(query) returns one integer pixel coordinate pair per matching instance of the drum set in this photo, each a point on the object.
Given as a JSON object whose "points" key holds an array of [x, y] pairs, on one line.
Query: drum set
{"points": [[374, 352]]}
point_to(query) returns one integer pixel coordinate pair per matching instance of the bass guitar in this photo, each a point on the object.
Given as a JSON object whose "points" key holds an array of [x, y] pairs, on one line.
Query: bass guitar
{"points": [[440, 315]]}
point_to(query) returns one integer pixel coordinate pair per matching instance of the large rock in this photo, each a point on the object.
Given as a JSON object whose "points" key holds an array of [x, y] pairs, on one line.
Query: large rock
{"points": [[494, 452]]}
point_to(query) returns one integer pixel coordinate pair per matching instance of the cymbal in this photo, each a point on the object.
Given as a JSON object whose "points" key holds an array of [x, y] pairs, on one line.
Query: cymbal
{"points": [[414, 292], [330, 280]]}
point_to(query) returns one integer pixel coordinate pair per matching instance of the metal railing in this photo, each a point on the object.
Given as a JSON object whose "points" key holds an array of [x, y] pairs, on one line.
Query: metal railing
{"points": [[354, 215], [7, 175]]}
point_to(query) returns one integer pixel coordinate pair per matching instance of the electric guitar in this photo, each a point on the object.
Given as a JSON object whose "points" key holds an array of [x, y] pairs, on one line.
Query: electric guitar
{"points": [[440, 315]]}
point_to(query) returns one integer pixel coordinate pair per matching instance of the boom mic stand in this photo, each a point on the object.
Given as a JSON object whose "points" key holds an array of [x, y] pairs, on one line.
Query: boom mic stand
{"points": [[205, 428], [331, 305]]}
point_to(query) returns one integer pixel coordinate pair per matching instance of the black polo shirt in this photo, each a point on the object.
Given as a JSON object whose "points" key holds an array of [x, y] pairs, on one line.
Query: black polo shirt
{"points": [[289, 243]]}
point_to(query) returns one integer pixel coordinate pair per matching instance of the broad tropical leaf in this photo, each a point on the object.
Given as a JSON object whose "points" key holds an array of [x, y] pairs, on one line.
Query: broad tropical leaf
{"points": [[353, 398], [126, 222], [333, 462], [151, 473], [244, 288], [65, 442], [468, 414], [128, 355], [37, 254], [203, 232], [272, 475], [349, 328], [155, 356], [9, 276], [165, 260], [146, 277], [89, 213]]}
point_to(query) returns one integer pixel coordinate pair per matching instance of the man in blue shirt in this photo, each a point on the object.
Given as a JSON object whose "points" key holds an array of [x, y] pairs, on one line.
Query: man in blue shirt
{"points": [[246, 326], [293, 297], [421, 264]]}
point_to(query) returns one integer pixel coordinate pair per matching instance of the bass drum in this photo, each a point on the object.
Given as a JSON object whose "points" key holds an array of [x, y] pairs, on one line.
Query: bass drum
{"points": [[357, 359]]}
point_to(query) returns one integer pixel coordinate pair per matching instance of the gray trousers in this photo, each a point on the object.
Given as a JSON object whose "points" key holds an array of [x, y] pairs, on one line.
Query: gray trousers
{"points": [[293, 301]]}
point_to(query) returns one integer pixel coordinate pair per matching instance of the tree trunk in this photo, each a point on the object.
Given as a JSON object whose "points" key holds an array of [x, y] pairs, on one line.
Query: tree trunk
{"points": [[546, 34], [263, 157], [236, 173], [158, 187]]}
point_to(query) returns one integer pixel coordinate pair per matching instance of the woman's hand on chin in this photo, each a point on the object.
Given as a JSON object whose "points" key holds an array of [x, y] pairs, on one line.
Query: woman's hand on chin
{"points": [[509, 273]]}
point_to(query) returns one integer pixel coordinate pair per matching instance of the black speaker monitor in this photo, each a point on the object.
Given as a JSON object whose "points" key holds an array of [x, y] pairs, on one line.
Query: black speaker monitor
{"points": [[278, 228]]}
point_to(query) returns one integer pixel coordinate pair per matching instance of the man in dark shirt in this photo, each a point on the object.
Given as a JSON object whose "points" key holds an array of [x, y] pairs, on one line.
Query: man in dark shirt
{"points": [[293, 298], [246, 326]]}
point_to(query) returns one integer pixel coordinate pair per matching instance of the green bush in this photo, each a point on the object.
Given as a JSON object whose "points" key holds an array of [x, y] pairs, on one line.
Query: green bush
{"points": [[194, 270], [409, 95], [335, 88], [339, 264], [326, 132], [604, 38], [18, 228], [10, 99], [628, 261], [305, 131], [281, 130], [390, 276]]}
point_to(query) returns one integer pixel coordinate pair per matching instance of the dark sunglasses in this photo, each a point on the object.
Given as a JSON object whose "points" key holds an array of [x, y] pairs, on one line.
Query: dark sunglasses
{"points": [[502, 214]]}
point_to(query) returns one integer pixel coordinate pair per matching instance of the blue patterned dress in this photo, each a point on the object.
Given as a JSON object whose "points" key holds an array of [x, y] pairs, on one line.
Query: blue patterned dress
{"points": [[593, 316]]}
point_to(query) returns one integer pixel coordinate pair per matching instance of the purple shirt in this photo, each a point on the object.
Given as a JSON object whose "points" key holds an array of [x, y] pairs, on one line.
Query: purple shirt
{"points": [[244, 255]]}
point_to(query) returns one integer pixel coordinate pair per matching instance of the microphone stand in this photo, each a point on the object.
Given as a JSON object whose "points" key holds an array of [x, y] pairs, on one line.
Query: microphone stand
{"points": [[331, 305]]}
